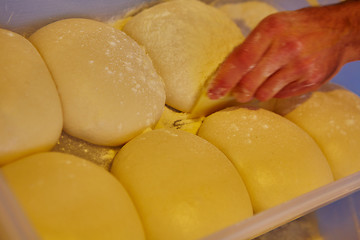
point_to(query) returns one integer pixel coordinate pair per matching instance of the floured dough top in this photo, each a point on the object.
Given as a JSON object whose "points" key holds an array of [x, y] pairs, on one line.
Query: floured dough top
{"points": [[186, 40], [332, 117], [30, 109], [108, 86]]}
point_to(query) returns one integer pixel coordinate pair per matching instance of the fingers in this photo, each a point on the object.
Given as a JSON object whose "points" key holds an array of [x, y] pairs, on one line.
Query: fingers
{"points": [[274, 61], [276, 83], [245, 90], [297, 88], [270, 75], [238, 63], [310, 78]]}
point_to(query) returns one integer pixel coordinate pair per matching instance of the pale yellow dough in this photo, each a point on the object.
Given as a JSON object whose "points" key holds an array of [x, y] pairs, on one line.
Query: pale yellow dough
{"points": [[187, 40], [182, 186], [277, 159], [108, 86], [332, 118], [30, 109], [66, 197], [250, 12]]}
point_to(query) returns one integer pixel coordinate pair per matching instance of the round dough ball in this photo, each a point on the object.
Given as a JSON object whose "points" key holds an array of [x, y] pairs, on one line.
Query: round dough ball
{"points": [[332, 117], [30, 108], [187, 40], [277, 160], [182, 186], [66, 197], [108, 86]]}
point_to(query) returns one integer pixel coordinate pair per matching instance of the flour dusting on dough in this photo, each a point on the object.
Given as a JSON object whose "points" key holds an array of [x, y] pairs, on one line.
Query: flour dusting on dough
{"points": [[250, 13]]}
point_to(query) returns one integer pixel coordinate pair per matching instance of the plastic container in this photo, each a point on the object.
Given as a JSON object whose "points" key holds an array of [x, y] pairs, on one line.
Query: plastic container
{"points": [[13, 223], [335, 207], [324, 202]]}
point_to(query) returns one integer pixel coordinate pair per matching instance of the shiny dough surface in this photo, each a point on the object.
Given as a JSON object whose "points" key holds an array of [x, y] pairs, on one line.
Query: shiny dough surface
{"points": [[277, 159], [30, 109], [183, 186], [66, 197]]}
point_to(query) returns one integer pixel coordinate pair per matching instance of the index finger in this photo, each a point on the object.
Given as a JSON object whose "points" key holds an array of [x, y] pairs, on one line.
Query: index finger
{"points": [[239, 62]]}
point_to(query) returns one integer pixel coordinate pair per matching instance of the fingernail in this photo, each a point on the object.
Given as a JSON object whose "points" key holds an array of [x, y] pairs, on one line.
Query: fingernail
{"points": [[216, 93]]}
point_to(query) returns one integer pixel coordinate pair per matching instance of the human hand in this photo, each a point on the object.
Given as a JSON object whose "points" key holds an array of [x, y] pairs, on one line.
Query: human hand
{"points": [[290, 53]]}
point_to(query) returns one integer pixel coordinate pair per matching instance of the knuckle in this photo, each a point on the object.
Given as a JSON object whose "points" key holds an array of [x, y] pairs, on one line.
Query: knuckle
{"points": [[275, 21], [292, 45], [247, 85], [303, 67]]}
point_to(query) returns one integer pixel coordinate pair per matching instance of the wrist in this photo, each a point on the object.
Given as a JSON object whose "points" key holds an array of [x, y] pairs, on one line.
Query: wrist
{"points": [[349, 13]]}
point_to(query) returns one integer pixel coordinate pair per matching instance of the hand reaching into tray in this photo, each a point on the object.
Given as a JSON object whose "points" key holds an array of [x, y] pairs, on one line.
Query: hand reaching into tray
{"points": [[291, 53]]}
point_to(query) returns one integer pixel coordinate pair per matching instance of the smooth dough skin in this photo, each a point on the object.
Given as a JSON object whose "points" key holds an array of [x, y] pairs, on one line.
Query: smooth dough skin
{"points": [[187, 40], [30, 108], [108, 86], [66, 197], [332, 118], [182, 186], [276, 159]]}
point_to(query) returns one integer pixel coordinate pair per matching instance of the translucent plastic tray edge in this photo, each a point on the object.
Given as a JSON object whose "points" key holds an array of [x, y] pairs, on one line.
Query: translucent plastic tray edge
{"points": [[288, 211], [14, 225]]}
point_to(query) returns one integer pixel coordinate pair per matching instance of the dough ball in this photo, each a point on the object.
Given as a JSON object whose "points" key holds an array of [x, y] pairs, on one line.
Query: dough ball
{"points": [[248, 14], [66, 197], [277, 160], [183, 186], [332, 117], [30, 109], [187, 40], [108, 86]]}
